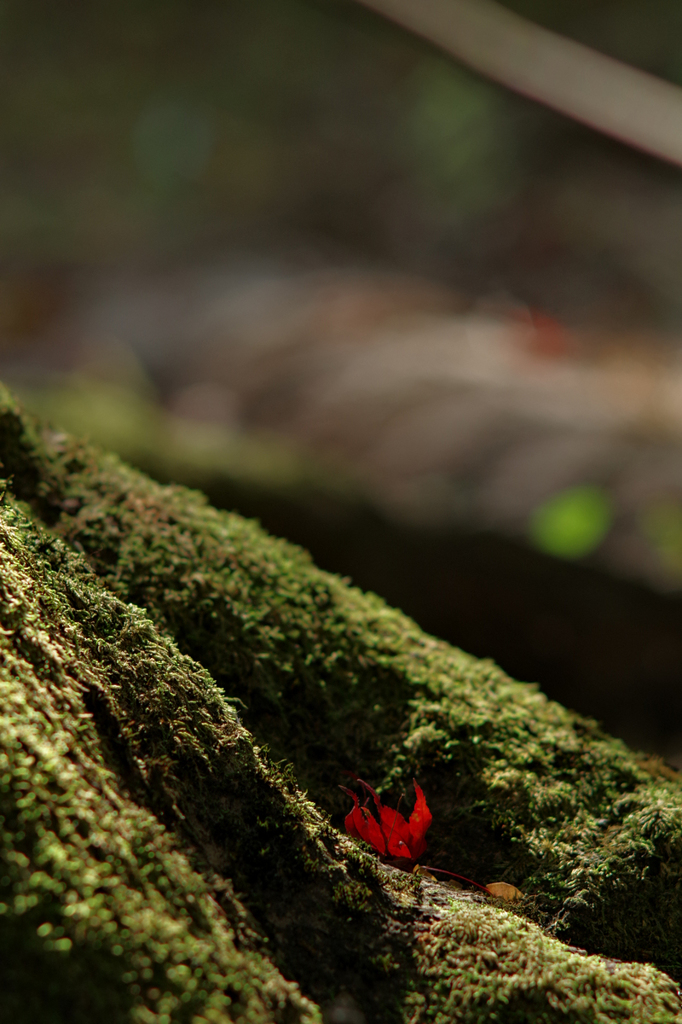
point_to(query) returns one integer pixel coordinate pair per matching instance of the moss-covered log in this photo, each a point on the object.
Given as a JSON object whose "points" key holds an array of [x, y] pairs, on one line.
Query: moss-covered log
{"points": [[135, 804]]}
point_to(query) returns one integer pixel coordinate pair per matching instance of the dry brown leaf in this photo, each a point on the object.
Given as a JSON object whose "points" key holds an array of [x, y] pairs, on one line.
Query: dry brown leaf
{"points": [[504, 891], [419, 870]]}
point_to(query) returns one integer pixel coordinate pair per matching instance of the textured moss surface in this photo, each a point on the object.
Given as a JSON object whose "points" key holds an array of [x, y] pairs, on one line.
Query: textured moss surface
{"points": [[126, 914], [103, 915], [163, 774]]}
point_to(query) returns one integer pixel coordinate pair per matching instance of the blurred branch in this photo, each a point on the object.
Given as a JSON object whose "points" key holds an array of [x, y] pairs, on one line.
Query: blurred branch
{"points": [[624, 102]]}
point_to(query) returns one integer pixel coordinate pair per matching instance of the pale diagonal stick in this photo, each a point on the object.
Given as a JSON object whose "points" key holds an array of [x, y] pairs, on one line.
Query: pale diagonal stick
{"points": [[612, 97]]}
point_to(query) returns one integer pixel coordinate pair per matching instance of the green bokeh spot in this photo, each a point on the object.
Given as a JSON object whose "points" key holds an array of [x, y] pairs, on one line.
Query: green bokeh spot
{"points": [[572, 523]]}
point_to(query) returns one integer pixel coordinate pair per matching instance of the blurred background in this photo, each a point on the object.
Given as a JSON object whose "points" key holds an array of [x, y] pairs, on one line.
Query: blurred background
{"points": [[281, 251]]}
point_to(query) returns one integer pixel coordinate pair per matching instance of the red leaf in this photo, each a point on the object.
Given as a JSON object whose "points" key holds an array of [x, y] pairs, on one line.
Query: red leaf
{"points": [[420, 819], [391, 836], [350, 824], [361, 825], [373, 833], [397, 833], [393, 826]]}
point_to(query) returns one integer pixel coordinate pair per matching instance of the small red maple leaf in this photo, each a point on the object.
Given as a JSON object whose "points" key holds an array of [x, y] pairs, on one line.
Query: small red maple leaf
{"points": [[397, 841], [393, 838]]}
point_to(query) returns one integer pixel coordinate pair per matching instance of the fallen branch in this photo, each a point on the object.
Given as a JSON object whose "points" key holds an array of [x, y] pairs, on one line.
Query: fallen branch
{"points": [[621, 101]]}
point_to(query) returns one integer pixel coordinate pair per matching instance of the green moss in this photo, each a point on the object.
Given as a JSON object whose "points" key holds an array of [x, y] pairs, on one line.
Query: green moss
{"points": [[102, 915], [513, 974], [125, 919], [353, 896], [521, 789]]}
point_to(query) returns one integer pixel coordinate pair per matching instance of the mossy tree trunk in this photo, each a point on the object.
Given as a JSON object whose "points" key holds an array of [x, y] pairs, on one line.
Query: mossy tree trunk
{"points": [[159, 865]]}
